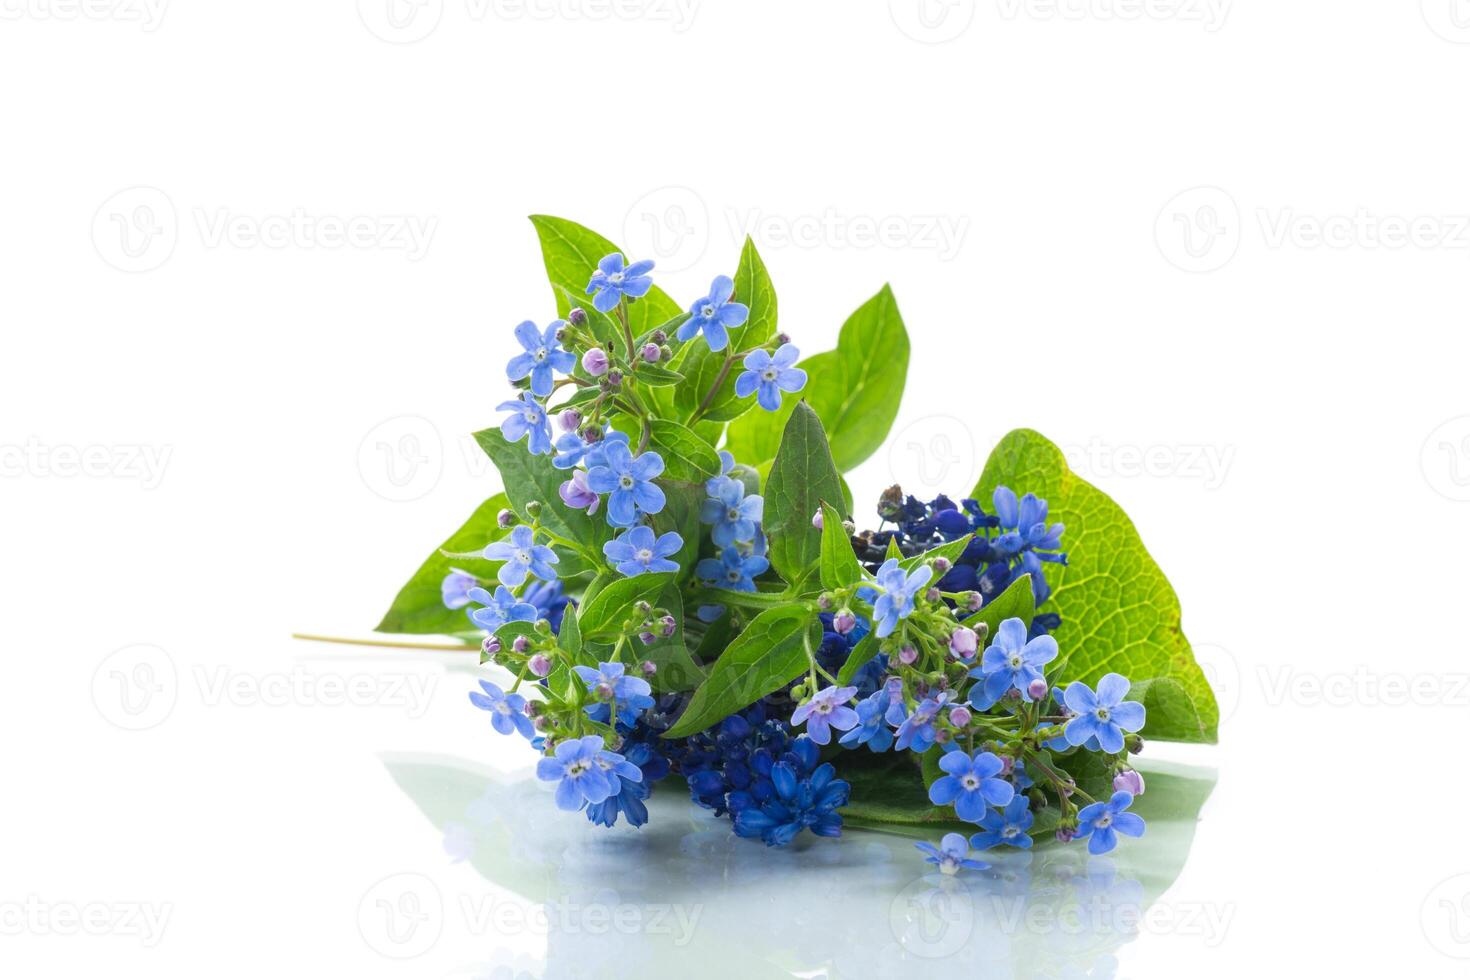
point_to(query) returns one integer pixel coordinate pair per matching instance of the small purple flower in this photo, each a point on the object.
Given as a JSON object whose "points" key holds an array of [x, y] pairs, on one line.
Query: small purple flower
{"points": [[636, 551], [951, 855], [963, 642], [732, 570], [767, 375], [733, 514], [543, 356], [507, 711], [1011, 662], [570, 419], [577, 495], [540, 665], [522, 556], [595, 362], [527, 418], [714, 314], [1105, 715], [1104, 821], [1129, 781], [826, 710], [971, 784], [501, 608], [612, 281], [574, 764], [629, 481], [1006, 826], [898, 591], [455, 589]]}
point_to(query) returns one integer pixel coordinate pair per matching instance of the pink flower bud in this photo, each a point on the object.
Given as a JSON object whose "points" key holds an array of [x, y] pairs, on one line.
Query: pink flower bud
{"points": [[907, 654], [974, 601], [594, 362], [648, 668], [1037, 689], [959, 716], [521, 644], [577, 317], [1129, 781], [540, 665], [1007, 765], [942, 565], [669, 626], [490, 645], [569, 420], [506, 518], [817, 521], [932, 595], [647, 638], [844, 622], [1066, 834], [962, 642], [651, 353]]}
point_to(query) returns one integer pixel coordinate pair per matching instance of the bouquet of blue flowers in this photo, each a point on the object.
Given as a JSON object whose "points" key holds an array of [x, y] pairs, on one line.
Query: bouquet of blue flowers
{"points": [[672, 585]]}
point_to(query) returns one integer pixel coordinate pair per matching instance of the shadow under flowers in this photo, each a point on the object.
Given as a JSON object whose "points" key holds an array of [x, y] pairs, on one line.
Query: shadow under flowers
{"points": [[683, 894]]}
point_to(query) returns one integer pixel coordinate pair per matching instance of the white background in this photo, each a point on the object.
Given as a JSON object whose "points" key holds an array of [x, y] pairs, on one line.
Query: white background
{"points": [[1217, 250]]}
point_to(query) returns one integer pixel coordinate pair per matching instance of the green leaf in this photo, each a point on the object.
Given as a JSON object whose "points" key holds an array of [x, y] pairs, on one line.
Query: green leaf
{"points": [[571, 253], [802, 477], [682, 501], [854, 389], [1172, 714], [950, 550], [677, 671], [656, 377], [866, 649], [570, 636], [507, 634], [840, 566], [702, 367], [685, 455], [1018, 601], [768, 655], [605, 612], [419, 606], [1119, 613], [530, 477]]}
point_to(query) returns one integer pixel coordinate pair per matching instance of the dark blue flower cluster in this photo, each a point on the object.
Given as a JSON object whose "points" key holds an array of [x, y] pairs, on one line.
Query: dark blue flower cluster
{"points": [[772, 785]]}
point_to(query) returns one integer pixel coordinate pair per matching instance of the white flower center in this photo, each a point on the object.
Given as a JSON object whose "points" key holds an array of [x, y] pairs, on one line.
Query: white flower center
{"points": [[615, 278], [1015, 661], [502, 708], [733, 514], [625, 481], [540, 354], [644, 556], [708, 310], [531, 415], [769, 374], [1106, 820], [970, 782], [577, 768], [1103, 713], [524, 557]]}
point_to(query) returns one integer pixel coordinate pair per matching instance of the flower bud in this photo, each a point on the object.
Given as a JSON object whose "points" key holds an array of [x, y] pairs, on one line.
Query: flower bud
{"points": [[1007, 765], [594, 362], [844, 622], [648, 668], [932, 595], [569, 420], [603, 691], [490, 646], [659, 337], [535, 709], [1066, 834], [668, 626], [1037, 689], [824, 602], [817, 519], [665, 352], [943, 736], [542, 724], [907, 654], [592, 433], [973, 601], [651, 353], [506, 518], [540, 665], [959, 716], [1134, 744], [647, 638], [1129, 781], [613, 379], [577, 317], [521, 644], [642, 607], [782, 338], [963, 643], [942, 565], [533, 508]]}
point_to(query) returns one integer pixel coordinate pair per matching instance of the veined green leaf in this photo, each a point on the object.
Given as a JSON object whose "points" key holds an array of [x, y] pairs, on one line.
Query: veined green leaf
{"points": [[677, 670], [769, 654], [1119, 613], [530, 477], [686, 456], [419, 606], [604, 613], [839, 564], [802, 477], [571, 253]]}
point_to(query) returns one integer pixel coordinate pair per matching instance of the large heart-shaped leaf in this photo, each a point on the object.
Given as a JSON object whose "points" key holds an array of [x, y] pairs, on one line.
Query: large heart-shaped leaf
{"points": [[801, 479], [419, 606]]}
